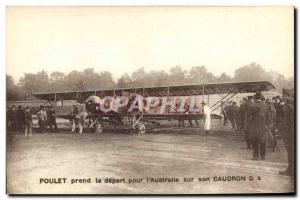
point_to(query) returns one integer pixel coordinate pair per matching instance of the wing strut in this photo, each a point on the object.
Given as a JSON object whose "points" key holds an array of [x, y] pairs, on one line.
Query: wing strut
{"points": [[220, 100], [226, 100]]}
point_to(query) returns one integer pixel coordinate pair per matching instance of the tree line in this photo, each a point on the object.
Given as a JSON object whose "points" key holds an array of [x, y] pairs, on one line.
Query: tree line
{"points": [[89, 79]]}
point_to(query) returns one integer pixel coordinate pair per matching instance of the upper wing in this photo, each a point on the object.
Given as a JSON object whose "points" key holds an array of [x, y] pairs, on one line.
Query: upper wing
{"points": [[180, 90]]}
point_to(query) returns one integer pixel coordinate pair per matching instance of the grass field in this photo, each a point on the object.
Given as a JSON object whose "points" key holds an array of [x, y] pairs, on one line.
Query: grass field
{"points": [[179, 153]]}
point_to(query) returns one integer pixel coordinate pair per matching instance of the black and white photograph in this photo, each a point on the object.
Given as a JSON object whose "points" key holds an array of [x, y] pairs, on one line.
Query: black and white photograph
{"points": [[150, 100]]}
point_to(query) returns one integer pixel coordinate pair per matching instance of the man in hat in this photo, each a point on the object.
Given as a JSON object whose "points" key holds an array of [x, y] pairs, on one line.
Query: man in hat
{"points": [[272, 123], [12, 118], [39, 119], [278, 101], [73, 119], [224, 112], [20, 118], [80, 121], [28, 122], [235, 111], [206, 112], [230, 113], [113, 104], [248, 118], [242, 115], [51, 119], [42, 117], [187, 111], [258, 126], [286, 128], [180, 118]]}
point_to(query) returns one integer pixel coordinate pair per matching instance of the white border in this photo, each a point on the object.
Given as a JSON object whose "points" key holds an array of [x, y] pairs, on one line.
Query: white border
{"points": [[5, 3]]}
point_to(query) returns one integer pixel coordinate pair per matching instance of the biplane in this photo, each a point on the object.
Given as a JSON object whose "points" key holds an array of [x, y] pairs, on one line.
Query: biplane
{"points": [[92, 99]]}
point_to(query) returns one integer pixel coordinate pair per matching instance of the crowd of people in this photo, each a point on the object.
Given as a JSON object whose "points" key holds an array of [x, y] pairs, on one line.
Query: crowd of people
{"points": [[261, 120], [20, 119]]}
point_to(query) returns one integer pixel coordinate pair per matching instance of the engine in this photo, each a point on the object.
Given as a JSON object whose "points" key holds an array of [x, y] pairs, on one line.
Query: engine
{"points": [[92, 104]]}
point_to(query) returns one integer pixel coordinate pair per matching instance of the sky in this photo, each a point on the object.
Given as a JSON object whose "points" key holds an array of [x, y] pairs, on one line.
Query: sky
{"points": [[123, 39]]}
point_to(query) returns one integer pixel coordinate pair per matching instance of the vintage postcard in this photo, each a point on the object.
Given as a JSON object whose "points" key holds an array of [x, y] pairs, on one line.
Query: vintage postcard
{"points": [[150, 100]]}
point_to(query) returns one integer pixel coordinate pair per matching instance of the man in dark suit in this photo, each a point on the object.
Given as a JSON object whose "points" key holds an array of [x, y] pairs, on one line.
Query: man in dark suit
{"points": [[28, 122], [241, 115], [20, 118], [258, 126], [286, 128], [248, 119], [235, 111], [51, 117]]}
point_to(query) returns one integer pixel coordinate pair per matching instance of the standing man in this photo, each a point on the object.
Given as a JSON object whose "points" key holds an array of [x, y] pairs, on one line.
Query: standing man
{"points": [[113, 104], [248, 119], [11, 118], [180, 122], [258, 126], [272, 123], [28, 122], [206, 112], [51, 119], [186, 111], [99, 122], [20, 118], [235, 117], [8, 118], [39, 118], [80, 120], [42, 116], [224, 108], [14, 118], [180, 117], [242, 114], [11, 124], [230, 114], [286, 128], [74, 113], [278, 108]]}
